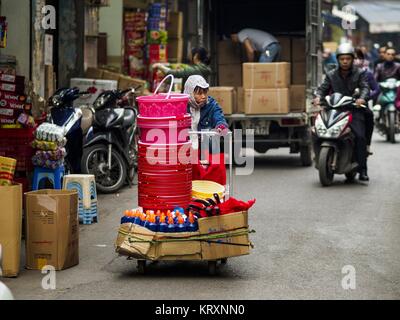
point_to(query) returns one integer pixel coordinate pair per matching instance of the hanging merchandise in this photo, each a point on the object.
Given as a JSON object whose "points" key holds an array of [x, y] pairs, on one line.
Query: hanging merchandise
{"points": [[3, 32], [135, 37]]}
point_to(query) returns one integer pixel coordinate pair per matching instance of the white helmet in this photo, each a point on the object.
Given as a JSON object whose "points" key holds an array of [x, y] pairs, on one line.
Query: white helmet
{"points": [[5, 293], [345, 49]]}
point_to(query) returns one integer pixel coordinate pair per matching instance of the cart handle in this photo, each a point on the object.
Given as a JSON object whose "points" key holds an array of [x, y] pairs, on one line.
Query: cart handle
{"points": [[170, 88], [209, 133]]}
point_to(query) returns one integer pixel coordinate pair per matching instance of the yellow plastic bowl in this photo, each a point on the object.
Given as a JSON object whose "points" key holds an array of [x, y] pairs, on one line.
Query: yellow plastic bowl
{"points": [[203, 189]]}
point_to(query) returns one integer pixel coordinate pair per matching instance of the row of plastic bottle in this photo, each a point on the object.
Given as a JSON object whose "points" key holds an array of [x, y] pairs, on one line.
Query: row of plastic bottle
{"points": [[176, 221]]}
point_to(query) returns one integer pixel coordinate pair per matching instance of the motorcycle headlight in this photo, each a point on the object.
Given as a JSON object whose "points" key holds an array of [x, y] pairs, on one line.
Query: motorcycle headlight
{"points": [[56, 101], [320, 127], [99, 102], [337, 129]]}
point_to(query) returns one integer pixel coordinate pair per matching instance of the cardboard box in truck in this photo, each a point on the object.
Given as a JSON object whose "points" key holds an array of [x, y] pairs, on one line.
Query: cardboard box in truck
{"points": [[230, 75], [239, 100], [297, 98], [10, 229], [225, 96], [228, 52], [52, 229], [286, 48], [298, 50], [299, 73], [266, 101], [266, 75]]}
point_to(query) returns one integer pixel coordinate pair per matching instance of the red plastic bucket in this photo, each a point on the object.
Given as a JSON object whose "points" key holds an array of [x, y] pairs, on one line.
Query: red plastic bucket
{"points": [[165, 153], [164, 130], [163, 105]]}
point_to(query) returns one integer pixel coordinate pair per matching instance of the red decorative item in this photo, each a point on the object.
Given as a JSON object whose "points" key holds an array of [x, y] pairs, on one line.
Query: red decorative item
{"points": [[233, 205], [16, 143]]}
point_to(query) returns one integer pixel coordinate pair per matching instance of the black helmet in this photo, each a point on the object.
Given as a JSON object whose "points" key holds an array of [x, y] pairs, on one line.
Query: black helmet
{"points": [[345, 49]]}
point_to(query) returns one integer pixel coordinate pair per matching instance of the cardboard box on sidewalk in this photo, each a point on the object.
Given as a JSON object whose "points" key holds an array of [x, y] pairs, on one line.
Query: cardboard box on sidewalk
{"points": [[95, 86], [230, 75], [108, 75], [52, 229], [94, 73], [10, 229], [297, 98], [266, 75], [266, 101], [225, 96], [126, 82]]}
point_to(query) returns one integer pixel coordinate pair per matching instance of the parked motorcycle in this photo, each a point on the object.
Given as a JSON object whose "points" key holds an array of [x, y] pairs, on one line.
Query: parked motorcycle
{"points": [[386, 115], [110, 150], [63, 114], [333, 139]]}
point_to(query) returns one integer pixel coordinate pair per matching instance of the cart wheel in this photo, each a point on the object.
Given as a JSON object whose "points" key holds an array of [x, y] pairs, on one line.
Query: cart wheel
{"points": [[141, 265], [212, 267], [224, 261]]}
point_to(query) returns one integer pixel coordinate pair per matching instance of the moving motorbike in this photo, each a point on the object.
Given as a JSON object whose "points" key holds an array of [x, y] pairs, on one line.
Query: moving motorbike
{"points": [[386, 115], [110, 149], [63, 114], [334, 141]]}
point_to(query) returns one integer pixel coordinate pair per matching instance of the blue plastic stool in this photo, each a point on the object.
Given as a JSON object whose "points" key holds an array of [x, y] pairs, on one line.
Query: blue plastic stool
{"points": [[54, 175], [85, 185]]}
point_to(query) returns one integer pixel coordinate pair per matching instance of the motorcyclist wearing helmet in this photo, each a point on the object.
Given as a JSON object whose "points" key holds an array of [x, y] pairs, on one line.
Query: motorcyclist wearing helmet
{"points": [[345, 80]]}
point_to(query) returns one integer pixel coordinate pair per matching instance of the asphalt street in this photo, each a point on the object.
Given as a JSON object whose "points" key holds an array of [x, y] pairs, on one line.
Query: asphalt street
{"points": [[305, 235]]}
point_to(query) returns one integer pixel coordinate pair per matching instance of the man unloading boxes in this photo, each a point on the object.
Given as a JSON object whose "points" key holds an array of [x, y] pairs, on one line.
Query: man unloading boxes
{"points": [[256, 40]]}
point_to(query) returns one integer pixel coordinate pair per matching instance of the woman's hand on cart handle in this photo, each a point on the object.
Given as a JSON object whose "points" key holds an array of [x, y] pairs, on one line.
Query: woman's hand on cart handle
{"points": [[222, 130]]}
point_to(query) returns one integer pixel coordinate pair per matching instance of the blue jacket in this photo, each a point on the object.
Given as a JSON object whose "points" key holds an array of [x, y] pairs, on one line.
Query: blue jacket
{"points": [[211, 115]]}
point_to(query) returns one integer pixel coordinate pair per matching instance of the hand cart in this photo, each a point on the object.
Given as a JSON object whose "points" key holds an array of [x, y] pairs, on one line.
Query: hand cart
{"points": [[228, 151]]}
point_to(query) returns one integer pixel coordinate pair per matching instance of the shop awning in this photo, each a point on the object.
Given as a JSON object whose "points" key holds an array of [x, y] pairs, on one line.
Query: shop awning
{"points": [[382, 16]]}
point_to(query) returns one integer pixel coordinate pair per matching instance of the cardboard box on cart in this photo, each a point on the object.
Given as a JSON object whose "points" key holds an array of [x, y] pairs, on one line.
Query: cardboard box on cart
{"points": [[229, 246], [10, 229], [141, 243], [52, 229]]}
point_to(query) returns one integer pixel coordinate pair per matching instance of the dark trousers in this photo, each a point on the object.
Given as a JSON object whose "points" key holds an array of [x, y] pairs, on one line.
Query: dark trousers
{"points": [[369, 125], [358, 127]]}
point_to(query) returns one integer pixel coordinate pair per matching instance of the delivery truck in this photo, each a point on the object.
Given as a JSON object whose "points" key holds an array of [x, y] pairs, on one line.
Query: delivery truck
{"points": [[272, 99]]}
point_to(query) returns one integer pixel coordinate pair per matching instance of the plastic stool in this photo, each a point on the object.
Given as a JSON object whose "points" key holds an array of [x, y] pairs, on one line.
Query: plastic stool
{"points": [[85, 185], [54, 175]]}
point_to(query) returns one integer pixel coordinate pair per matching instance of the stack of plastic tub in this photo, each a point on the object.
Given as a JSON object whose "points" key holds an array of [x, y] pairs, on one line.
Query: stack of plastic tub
{"points": [[164, 166]]}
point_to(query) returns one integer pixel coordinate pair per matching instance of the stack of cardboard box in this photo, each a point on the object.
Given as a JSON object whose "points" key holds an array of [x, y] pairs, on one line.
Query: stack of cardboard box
{"points": [[229, 64], [266, 88], [229, 76], [175, 37], [299, 75]]}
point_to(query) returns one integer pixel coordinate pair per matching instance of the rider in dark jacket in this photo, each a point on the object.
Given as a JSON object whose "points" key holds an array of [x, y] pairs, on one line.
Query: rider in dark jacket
{"points": [[345, 80], [389, 68]]}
